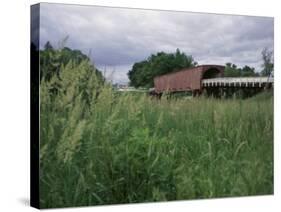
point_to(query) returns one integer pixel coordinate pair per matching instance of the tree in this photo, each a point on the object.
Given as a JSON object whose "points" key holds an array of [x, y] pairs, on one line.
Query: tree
{"points": [[268, 63], [68, 75], [248, 71], [52, 60], [48, 46], [143, 72], [231, 70]]}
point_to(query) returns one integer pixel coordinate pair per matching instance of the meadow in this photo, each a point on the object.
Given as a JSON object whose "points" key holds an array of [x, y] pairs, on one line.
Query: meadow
{"points": [[101, 147]]}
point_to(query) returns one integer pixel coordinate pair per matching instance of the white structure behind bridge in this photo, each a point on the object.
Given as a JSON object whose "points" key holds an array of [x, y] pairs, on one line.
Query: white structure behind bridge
{"points": [[238, 82]]}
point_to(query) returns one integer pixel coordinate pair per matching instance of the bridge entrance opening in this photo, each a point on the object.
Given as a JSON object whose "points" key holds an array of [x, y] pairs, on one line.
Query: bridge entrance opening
{"points": [[211, 73]]}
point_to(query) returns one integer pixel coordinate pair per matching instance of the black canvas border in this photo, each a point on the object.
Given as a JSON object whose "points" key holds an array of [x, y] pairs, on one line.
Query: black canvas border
{"points": [[34, 104]]}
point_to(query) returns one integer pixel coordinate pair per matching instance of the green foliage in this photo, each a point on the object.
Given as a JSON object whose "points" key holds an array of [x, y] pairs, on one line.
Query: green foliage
{"points": [[231, 70], [99, 147], [143, 72], [52, 59]]}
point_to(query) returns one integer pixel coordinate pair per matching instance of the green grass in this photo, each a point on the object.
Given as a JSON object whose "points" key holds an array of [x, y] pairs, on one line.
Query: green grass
{"points": [[131, 148]]}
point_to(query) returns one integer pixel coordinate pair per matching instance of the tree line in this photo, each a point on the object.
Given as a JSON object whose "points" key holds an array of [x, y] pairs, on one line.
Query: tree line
{"points": [[143, 72]]}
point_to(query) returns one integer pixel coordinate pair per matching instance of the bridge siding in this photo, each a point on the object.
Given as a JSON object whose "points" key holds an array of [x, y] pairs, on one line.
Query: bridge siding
{"points": [[184, 80]]}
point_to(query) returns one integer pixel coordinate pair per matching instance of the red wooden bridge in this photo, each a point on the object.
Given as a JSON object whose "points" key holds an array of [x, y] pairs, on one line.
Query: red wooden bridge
{"points": [[208, 79]]}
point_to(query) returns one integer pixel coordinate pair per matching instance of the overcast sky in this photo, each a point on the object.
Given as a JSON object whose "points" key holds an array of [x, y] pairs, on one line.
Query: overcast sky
{"points": [[117, 38]]}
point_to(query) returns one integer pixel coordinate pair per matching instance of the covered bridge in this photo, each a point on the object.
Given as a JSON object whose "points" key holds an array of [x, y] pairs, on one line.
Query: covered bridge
{"points": [[189, 79]]}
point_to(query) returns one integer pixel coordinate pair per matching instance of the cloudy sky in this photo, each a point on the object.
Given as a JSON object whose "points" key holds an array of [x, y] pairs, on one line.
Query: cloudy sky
{"points": [[117, 38]]}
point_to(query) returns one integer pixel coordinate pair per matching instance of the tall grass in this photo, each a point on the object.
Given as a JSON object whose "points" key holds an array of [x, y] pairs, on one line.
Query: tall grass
{"points": [[98, 147]]}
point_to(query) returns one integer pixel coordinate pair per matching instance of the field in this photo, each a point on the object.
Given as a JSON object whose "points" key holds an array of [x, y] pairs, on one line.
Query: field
{"points": [[99, 147]]}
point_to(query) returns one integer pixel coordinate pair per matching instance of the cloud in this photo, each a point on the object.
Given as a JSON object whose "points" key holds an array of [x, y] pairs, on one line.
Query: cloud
{"points": [[119, 37]]}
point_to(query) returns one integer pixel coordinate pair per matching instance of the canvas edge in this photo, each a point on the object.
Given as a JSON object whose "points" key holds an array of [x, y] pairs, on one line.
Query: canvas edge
{"points": [[34, 105]]}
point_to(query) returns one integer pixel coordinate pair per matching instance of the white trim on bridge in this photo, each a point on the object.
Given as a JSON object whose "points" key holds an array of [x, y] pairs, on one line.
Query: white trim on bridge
{"points": [[238, 81]]}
